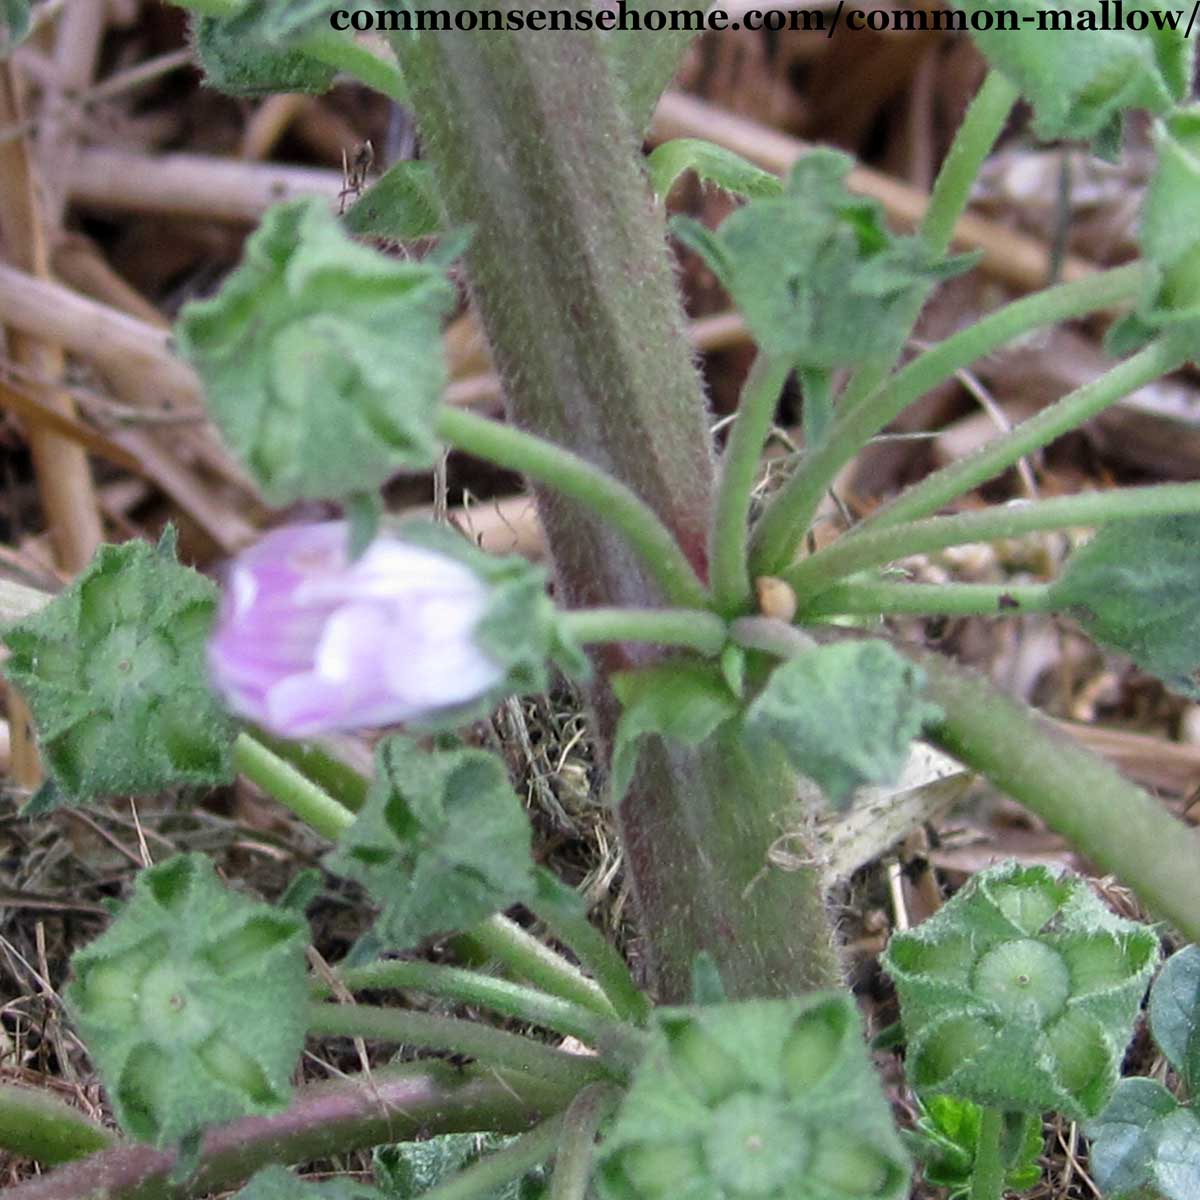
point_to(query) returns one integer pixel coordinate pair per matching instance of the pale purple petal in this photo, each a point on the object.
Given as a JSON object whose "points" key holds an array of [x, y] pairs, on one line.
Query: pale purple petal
{"points": [[310, 643]]}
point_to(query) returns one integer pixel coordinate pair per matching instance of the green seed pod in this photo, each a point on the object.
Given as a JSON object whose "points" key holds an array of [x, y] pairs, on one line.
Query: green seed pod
{"points": [[1021, 992], [192, 1004], [763, 1100]]}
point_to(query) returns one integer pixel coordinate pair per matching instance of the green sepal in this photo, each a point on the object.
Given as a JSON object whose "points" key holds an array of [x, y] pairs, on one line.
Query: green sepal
{"points": [[441, 843], [682, 700], [843, 714], [321, 358], [248, 53], [521, 630], [946, 1142], [278, 1183], [401, 204], [1175, 1015], [770, 1099], [707, 985], [669, 162], [1081, 80], [1021, 993], [14, 25], [193, 1003], [1145, 1144], [364, 511], [1135, 588], [821, 281], [113, 670]]}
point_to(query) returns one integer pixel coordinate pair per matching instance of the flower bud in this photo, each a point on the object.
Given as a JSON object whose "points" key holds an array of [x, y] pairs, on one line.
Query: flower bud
{"points": [[421, 626]]}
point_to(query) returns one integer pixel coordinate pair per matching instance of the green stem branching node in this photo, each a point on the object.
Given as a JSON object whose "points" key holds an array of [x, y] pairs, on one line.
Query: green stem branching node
{"points": [[787, 518]]}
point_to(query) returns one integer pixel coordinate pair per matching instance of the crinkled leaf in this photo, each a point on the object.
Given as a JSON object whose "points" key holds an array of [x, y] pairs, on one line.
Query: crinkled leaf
{"points": [[14, 24], [1125, 1136], [402, 204], [711, 163], [1135, 587], [278, 1183], [821, 281], [1080, 78], [843, 714], [408, 1170], [1175, 1015], [1021, 992], [768, 1099], [193, 1003], [113, 670], [321, 358], [685, 701], [441, 843]]}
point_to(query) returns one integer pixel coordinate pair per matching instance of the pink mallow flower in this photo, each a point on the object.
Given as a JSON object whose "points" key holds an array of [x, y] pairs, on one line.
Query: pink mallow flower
{"points": [[309, 642]]}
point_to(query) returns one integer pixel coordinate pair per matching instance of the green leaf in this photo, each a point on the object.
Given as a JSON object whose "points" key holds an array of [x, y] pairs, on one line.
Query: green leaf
{"points": [[408, 1170], [192, 1004], [683, 700], [843, 714], [1125, 1136], [821, 281], [770, 1099], [14, 25], [1021, 993], [113, 670], [278, 1183], [946, 1141], [1175, 1015], [401, 204], [248, 53], [668, 162], [321, 358], [1080, 78], [441, 843], [1135, 587], [1177, 1156]]}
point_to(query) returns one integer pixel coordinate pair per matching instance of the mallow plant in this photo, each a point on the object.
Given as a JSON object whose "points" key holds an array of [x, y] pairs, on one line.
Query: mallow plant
{"points": [[723, 660]]}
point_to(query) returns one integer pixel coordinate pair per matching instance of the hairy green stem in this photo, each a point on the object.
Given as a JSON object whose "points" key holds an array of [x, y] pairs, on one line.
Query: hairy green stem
{"points": [[509, 944], [866, 598], [560, 908], [1109, 820], [849, 555], [394, 1104], [469, 1038], [296, 791], [37, 1125], [570, 475], [787, 518], [470, 987], [987, 1174], [689, 628], [530, 145], [580, 1124], [483, 1179], [771, 636], [739, 469], [982, 124], [497, 936], [320, 762], [1052, 422]]}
